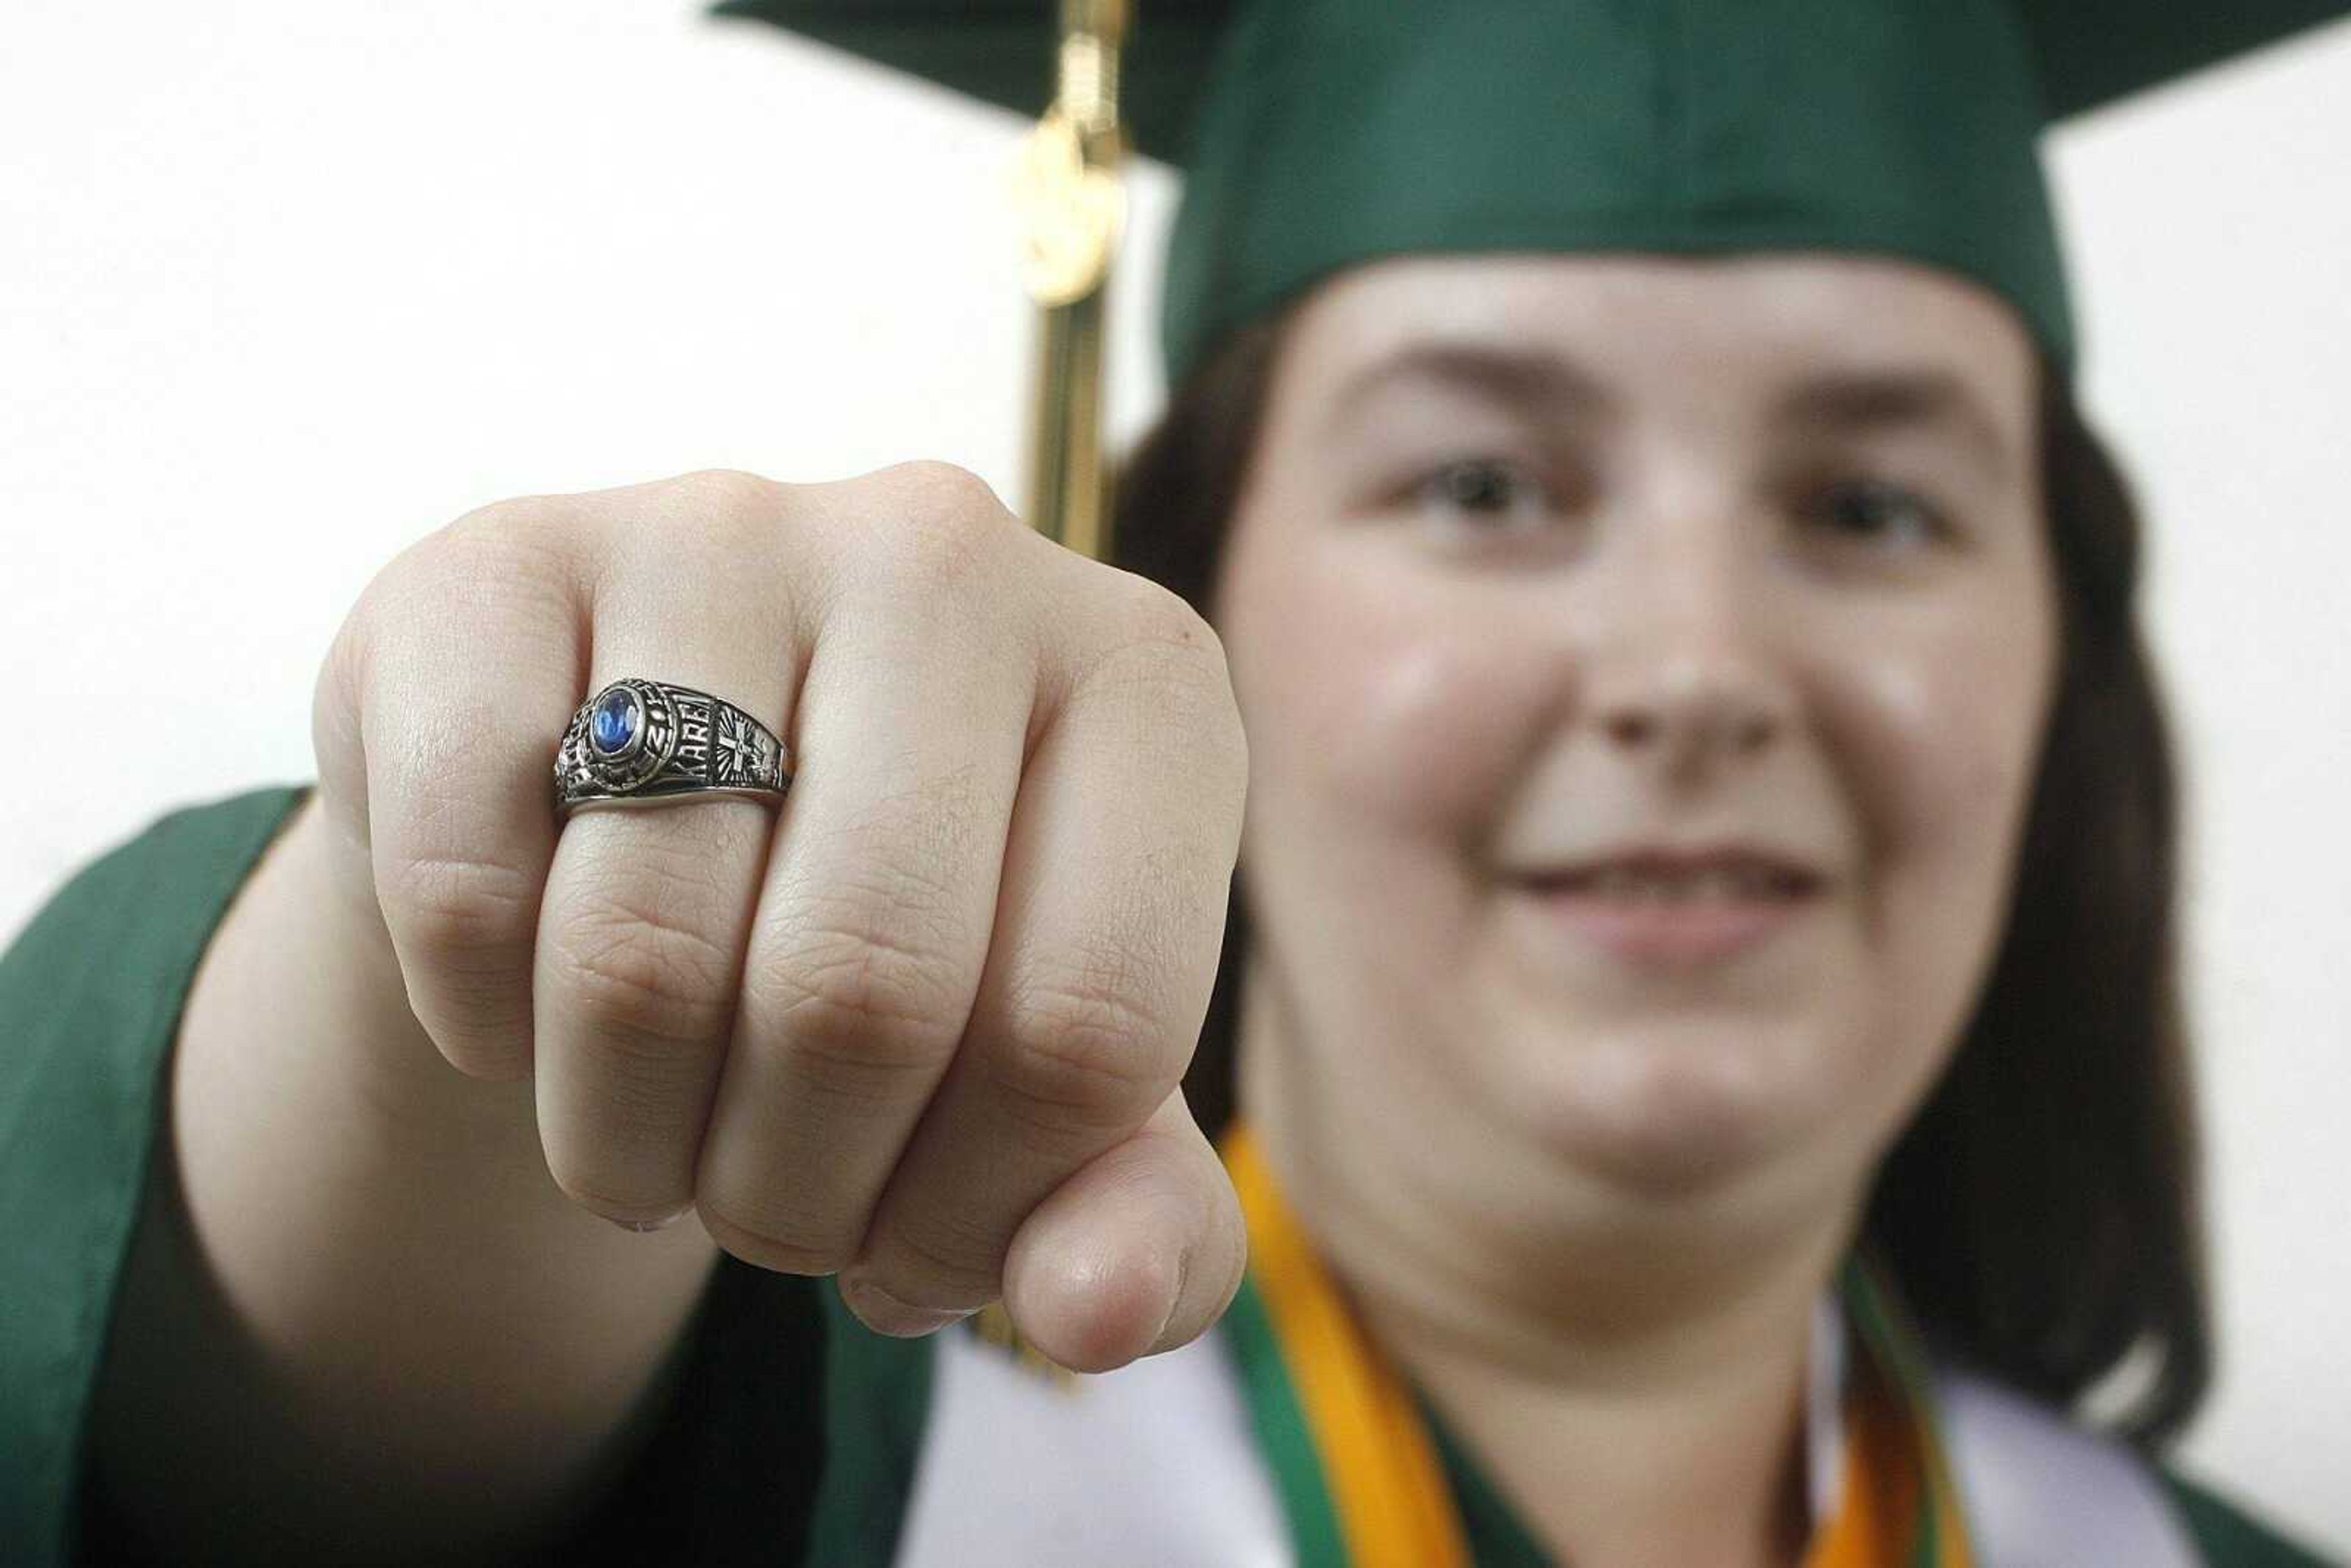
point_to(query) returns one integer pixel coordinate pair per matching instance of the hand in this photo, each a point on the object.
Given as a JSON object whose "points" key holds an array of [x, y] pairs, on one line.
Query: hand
{"points": [[921, 1025]]}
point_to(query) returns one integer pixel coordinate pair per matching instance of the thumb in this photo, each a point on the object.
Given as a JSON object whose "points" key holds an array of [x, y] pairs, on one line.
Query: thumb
{"points": [[1139, 1252]]}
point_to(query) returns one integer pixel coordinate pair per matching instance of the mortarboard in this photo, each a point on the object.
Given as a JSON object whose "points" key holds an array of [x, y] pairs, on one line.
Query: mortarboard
{"points": [[1318, 134]]}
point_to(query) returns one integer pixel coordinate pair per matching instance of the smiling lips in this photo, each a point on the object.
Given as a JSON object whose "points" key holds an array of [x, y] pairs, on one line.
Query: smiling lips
{"points": [[1669, 908]]}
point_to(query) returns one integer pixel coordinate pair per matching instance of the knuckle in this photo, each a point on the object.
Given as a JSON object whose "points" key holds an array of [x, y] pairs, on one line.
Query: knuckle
{"points": [[737, 489], [461, 915], [645, 974], [1169, 662], [729, 510], [1150, 611], [1082, 1051], [507, 565], [942, 489], [941, 520], [532, 520], [1156, 637], [864, 1071], [858, 1003], [1161, 614]]}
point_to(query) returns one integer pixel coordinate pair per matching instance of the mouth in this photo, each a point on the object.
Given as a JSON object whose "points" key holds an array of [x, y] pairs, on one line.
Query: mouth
{"points": [[1654, 912]]}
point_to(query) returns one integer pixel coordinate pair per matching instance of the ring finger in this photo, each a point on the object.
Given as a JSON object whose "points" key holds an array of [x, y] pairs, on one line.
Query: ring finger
{"points": [[648, 909]]}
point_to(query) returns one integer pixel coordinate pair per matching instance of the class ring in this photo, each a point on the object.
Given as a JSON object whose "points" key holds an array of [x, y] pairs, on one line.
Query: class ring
{"points": [[640, 742]]}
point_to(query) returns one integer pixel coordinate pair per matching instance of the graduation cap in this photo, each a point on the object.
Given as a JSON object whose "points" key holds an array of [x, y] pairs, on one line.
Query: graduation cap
{"points": [[1318, 134]]}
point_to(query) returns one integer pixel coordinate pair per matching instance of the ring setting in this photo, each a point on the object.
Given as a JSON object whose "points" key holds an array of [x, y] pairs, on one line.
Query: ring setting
{"points": [[640, 741]]}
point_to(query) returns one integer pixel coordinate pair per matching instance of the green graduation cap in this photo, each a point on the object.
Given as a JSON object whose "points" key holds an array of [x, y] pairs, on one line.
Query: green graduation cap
{"points": [[1319, 133]]}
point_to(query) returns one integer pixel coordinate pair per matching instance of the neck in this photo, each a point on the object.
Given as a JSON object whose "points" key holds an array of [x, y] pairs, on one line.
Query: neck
{"points": [[1629, 1370]]}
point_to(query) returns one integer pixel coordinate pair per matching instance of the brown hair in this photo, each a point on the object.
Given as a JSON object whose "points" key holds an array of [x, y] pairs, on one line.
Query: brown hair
{"points": [[2041, 1213]]}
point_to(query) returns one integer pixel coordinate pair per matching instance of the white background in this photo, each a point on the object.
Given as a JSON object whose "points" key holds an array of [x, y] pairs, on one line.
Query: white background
{"points": [[287, 283]]}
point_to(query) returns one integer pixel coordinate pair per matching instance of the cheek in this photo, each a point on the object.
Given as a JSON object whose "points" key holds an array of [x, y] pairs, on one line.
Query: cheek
{"points": [[1383, 723], [1942, 741]]}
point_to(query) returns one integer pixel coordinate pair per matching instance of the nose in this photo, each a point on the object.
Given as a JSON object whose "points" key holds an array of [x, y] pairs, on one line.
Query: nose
{"points": [[1682, 677]]}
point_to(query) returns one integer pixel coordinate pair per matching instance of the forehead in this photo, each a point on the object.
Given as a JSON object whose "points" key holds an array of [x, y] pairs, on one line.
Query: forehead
{"points": [[1735, 327]]}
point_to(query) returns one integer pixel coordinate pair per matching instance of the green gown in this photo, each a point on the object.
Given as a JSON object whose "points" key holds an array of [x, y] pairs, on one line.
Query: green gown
{"points": [[736, 1470]]}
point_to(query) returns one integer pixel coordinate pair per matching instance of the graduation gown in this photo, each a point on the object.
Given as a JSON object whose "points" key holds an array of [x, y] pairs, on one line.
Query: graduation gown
{"points": [[795, 1436]]}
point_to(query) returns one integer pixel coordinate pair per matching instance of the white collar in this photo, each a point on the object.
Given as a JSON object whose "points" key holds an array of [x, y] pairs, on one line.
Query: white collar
{"points": [[1825, 1371]]}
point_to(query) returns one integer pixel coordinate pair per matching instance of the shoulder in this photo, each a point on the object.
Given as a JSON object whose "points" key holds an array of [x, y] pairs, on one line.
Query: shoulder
{"points": [[167, 883], [2041, 1489], [2229, 1536], [91, 987]]}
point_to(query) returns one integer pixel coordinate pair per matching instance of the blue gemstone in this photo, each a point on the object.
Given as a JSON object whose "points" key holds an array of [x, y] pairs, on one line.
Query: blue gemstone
{"points": [[615, 721]]}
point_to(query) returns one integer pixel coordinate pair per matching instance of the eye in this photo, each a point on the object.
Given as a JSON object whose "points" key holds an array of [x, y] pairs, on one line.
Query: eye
{"points": [[1876, 512], [1487, 490]]}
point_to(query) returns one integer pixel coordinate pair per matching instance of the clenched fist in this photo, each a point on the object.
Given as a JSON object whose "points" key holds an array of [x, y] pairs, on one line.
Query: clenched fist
{"points": [[923, 1023]]}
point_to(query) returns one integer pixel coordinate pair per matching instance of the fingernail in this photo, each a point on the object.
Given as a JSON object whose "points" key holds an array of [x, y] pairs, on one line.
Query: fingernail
{"points": [[885, 1313], [1182, 1272], [640, 1226]]}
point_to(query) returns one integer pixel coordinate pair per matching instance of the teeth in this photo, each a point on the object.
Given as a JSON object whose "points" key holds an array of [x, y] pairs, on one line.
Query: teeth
{"points": [[1655, 888]]}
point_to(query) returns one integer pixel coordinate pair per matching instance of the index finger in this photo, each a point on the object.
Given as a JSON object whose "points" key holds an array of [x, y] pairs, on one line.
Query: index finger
{"points": [[430, 730]]}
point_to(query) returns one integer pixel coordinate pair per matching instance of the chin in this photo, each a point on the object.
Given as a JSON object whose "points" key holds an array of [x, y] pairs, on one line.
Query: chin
{"points": [[1670, 1114]]}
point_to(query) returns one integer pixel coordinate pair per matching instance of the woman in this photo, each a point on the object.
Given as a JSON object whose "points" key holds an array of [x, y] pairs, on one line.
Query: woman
{"points": [[1686, 651]]}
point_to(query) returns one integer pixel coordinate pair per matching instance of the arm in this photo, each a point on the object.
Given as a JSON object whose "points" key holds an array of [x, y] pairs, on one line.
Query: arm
{"points": [[357, 1319]]}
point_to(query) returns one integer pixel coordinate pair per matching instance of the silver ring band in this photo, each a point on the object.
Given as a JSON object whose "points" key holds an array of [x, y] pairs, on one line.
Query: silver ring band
{"points": [[640, 742]]}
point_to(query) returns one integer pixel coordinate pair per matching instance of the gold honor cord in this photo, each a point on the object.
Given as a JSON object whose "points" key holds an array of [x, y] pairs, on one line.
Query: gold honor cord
{"points": [[1075, 208], [1379, 1463]]}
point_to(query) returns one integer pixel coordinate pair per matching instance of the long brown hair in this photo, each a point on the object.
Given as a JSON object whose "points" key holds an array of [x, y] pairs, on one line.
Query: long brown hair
{"points": [[2041, 1213]]}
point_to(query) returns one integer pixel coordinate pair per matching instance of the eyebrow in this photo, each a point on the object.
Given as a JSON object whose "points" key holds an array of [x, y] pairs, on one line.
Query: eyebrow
{"points": [[1859, 403], [1522, 377], [1849, 403]]}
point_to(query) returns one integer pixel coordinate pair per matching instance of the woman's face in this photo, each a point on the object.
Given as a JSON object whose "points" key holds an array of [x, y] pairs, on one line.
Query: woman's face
{"points": [[1549, 566]]}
